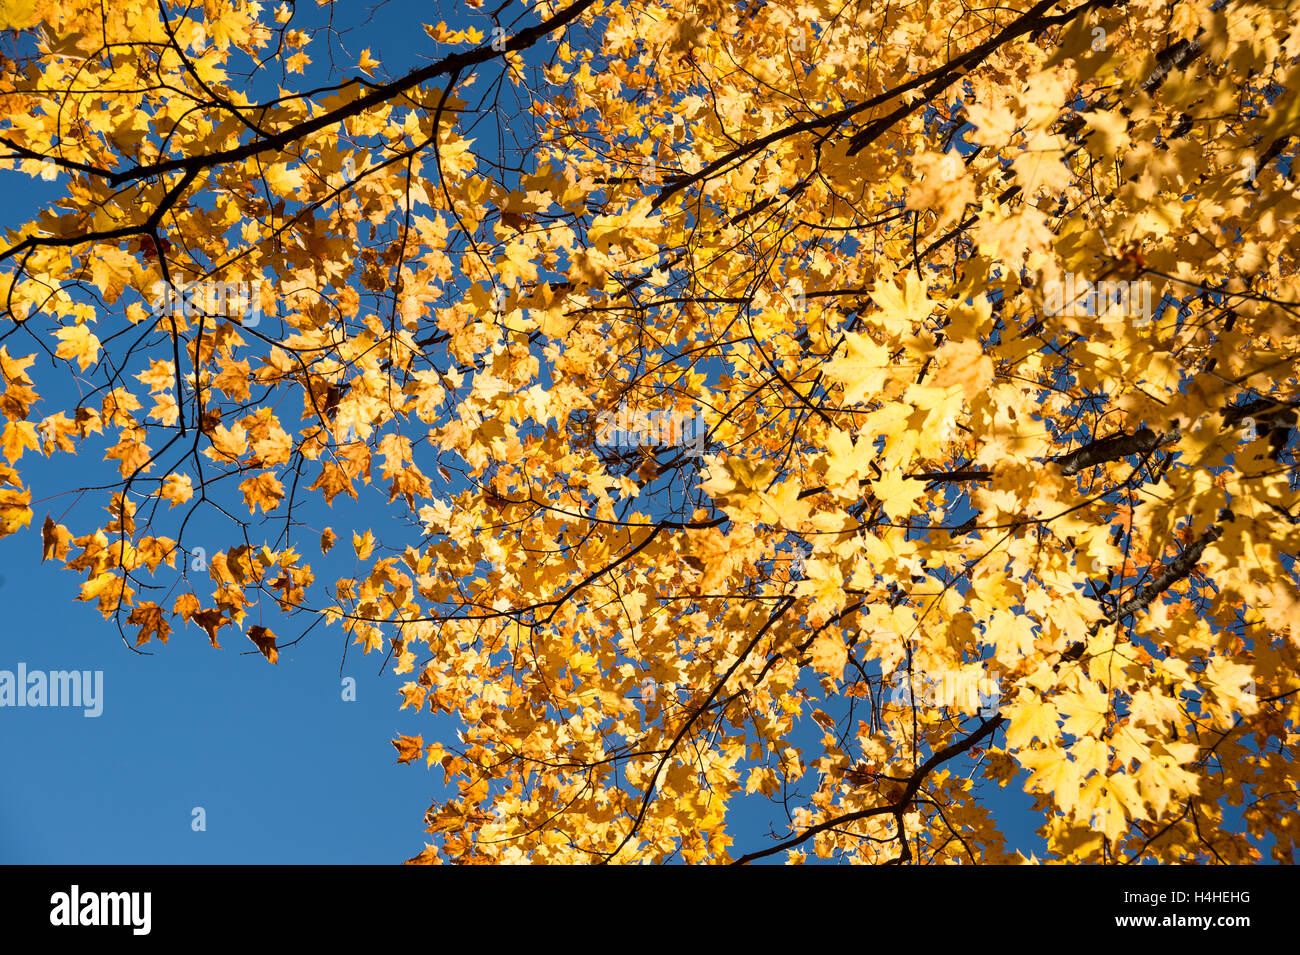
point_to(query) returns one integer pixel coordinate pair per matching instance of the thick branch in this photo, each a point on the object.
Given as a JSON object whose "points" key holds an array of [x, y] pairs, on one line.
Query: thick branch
{"points": [[1110, 448], [935, 81], [1177, 569], [447, 66]]}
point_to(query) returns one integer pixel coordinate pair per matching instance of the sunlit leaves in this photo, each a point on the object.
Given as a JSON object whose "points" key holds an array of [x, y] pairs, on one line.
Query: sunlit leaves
{"points": [[715, 423]]}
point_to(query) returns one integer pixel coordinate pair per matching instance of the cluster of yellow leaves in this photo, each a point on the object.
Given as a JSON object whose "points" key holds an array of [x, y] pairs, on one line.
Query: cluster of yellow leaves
{"points": [[804, 254]]}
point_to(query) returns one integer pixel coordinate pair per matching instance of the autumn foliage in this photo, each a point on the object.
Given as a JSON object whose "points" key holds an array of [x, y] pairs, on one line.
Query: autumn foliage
{"points": [[486, 294]]}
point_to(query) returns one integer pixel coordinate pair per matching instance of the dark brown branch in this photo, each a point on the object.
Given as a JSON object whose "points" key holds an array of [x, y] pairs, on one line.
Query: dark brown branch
{"points": [[773, 617], [448, 65], [1110, 448], [1177, 569], [935, 80], [913, 784]]}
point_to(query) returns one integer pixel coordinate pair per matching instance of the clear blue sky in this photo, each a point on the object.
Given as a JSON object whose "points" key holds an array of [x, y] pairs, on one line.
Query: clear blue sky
{"points": [[285, 770]]}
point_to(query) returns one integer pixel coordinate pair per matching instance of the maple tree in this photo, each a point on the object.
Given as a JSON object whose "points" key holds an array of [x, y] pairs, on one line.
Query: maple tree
{"points": [[834, 234]]}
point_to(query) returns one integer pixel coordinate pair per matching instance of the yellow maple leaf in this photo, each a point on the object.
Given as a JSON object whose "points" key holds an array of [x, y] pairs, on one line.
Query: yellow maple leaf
{"points": [[1085, 709], [14, 512], [862, 369], [897, 493], [847, 460], [940, 184], [364, 545], [18, 436], [264, 640], [963, 365], [17, 14], [149, 618], [332, 480], [1053, 772], [264, 491], [176, 489], [77, 341], [902, 308], [829, 655], [1030, 719], [132, 456], [55, 540], [408, 748]]}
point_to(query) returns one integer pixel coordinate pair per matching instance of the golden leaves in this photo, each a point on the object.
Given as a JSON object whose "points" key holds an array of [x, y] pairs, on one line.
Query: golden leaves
{"points": [[1052, 771], [863, 369], [77, 341], [228, 444], [112, 270], [442, 34], [897, 494], [1041, 172], [363, 544], [264, 640], [1162, 780], [17, 437], [18, 14], [637, 228], [413, 695], [185, 606], [1085, 710], [56, 540], [234, 379], [829, 655], [154, 551], [783, 506], [859, 310], [995, 124], [148, 616], [517, 264], [408, 748], [132, 455], [211, 621], [264, 491], [1110, 131], [160, 376], [941, 185], [14, 510], [176, 489], [109, 589], [902, 308], [283, 180], [1031, 719], [964, 365], [17, 398], [332, 481]]}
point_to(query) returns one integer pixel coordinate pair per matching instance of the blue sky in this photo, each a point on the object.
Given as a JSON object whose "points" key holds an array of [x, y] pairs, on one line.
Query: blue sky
{"points": [[284, 769]]}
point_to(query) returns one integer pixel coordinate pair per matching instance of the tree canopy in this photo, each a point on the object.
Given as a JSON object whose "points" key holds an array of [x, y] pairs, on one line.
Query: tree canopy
{"points": [[827, 412]]}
